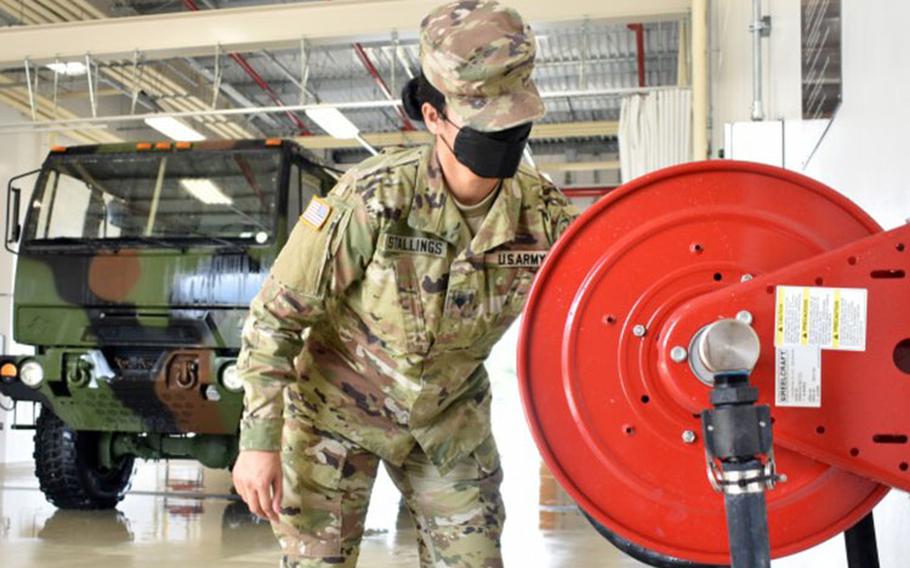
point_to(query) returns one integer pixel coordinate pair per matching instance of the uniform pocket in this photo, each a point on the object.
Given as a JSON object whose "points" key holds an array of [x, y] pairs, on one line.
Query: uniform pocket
{"points": [[408, 283], [377, 304], [304, 261], [312, 464], [521, 287]]}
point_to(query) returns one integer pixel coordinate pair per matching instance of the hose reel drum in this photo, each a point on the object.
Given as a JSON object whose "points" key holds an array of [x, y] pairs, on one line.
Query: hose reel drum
{"points": [[682, 284]]}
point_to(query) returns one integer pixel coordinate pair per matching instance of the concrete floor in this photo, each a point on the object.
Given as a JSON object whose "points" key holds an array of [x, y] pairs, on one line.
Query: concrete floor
{"points": [[179, 513]]}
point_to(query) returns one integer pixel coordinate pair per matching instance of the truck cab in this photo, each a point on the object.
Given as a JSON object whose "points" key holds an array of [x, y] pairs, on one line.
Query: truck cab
{"points": [[136, 266]]}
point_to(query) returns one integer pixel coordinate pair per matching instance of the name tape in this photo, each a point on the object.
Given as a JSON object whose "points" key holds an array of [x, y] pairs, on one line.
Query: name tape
{"points": [[415, 245], [517, 258]]}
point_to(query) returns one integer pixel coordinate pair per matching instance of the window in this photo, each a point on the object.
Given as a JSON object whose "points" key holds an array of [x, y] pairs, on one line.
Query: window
{"points": [[205, 194]]}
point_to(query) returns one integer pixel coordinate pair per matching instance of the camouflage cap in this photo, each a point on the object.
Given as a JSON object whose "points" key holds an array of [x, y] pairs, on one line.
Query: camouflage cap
{"points": [[480, 55]]}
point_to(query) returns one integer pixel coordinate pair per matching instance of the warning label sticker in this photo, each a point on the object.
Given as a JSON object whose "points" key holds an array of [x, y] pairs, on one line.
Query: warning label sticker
{"points": [[825, 318], [798, 377]]}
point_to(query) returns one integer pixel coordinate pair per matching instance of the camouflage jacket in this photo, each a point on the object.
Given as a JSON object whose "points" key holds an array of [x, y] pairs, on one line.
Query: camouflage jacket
{"points": [[380, 310]]}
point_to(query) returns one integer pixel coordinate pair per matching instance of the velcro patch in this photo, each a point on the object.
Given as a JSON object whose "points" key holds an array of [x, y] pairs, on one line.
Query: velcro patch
{"points": [[516, 258], [415, 245], [316, 213]]}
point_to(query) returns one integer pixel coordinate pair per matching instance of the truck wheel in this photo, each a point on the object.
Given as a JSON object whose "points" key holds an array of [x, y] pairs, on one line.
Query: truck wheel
{"points": [[68, 468]]}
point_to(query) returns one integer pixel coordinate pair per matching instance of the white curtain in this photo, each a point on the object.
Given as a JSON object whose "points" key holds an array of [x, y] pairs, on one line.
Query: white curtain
{"points": [[655, 131]]}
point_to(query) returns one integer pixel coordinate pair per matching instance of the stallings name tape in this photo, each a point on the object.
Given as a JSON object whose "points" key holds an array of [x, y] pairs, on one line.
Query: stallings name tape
{"points": [[415, 245], [316, 213]]}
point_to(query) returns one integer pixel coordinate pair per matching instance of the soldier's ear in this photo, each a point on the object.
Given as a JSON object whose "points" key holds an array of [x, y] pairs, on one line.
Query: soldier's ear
{"points": [[431, 118]]}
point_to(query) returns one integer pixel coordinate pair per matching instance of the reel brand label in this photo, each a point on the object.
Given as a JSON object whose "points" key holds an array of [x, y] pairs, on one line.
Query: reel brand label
{"points": [[826, 318], [798, 376]]}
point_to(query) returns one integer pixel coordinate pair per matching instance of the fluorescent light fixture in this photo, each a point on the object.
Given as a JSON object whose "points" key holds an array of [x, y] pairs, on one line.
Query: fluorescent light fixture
{"points": [[174, 129], [333, 122], [205, 191], [67, 68]]}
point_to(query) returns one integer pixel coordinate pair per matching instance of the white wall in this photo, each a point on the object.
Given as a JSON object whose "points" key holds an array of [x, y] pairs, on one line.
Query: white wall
{"points": [[19, 153], [862, 154]]}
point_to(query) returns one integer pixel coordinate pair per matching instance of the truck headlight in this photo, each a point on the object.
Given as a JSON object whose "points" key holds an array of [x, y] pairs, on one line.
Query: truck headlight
{"points": [[230, 378], [32, 374]]}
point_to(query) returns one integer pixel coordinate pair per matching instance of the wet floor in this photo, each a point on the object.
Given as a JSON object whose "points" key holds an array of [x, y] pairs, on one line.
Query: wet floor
{"points": [[180, 513]]}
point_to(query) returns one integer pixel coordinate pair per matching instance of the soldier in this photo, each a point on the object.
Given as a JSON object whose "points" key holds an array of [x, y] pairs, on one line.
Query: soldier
{"points": [[367, 341]]}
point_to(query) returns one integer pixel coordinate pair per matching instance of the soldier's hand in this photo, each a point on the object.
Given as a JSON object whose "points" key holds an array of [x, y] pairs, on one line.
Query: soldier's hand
{"points": [[257, 478]]}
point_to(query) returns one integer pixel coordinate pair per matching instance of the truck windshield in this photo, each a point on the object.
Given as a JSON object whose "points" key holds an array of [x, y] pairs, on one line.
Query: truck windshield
{"points": [[152, 198]]}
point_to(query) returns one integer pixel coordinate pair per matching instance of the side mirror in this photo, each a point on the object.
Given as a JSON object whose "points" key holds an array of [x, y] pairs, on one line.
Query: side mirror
{"points": [[13, 226], [13, 217]]}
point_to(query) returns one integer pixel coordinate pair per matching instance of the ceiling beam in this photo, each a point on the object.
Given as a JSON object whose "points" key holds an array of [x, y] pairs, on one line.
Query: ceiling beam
{"points": [[278, 26], [540, 132]]}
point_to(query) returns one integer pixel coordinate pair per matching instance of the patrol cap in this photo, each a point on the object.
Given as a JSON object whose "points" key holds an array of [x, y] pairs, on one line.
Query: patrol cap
{"points": [[480, 55]]}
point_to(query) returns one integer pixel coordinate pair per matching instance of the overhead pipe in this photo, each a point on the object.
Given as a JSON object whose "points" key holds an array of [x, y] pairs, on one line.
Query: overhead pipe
{"points": [[699, 79], [248, 69], [760, 27], [290, 76], [244, 64], [228, 89], [368, 64], [357, 105], [639, 30]]}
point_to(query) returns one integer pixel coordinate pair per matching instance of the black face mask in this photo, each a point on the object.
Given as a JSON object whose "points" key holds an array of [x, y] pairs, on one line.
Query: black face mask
{"points": [[490, 154]]}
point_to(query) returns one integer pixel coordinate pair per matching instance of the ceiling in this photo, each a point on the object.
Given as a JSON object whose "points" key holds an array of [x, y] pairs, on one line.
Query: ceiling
{"points": [[588, 57]]}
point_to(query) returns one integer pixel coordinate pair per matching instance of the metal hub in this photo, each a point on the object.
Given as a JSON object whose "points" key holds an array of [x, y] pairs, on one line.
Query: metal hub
{"points": [[726, 345]]}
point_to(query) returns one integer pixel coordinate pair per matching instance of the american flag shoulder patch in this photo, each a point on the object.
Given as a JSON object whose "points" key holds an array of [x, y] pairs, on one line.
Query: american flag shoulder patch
{"points": [[316, 213]]}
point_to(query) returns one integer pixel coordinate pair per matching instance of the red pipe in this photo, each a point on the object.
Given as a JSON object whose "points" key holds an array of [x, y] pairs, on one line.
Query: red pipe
{"points": [[365, 59], [639, 30], [597, 191], [245, 65]]}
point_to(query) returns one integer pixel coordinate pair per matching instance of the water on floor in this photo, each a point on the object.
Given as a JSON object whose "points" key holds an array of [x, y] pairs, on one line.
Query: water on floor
{"points": [[182, 514]]}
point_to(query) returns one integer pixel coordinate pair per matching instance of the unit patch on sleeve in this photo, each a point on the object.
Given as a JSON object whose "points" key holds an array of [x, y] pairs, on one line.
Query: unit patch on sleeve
{"points": [[415, 245], [516, 258], [316, 213]]}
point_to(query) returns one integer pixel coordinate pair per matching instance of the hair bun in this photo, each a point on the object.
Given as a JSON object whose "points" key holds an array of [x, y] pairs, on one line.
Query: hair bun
{"points": [[410, 99]]}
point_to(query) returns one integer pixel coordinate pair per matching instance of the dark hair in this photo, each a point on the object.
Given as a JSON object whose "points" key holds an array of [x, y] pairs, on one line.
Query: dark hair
{"points": [[418, 91]]}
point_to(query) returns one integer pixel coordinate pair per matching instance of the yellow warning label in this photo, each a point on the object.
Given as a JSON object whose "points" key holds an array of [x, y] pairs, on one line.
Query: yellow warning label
{"points": [[804, 319], [827, 318], [836, 326], [779, 319]]}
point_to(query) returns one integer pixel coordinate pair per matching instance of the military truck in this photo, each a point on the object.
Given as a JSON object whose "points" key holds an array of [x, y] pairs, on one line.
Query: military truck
{"points": [[136, 265]]}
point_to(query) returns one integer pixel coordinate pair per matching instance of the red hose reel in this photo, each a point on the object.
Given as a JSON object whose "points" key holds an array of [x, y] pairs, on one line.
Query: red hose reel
{"points": [[606, 370]]}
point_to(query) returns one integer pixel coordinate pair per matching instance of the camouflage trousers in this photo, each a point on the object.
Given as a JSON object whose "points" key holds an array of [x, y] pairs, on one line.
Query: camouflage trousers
{"points": [[326, 492]]}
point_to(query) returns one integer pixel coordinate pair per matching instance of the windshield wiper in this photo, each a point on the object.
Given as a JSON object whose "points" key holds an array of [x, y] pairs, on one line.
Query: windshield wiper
{"points": [[144, 240], [195, 236], [59, 241]]}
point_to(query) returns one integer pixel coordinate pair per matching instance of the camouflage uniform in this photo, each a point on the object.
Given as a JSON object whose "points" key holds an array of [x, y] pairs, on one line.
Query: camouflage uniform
{"points": [[399, 306]]}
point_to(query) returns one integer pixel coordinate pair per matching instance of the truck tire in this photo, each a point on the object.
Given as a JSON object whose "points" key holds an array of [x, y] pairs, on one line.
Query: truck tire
{"points": [[642, 554], [68, 468]]}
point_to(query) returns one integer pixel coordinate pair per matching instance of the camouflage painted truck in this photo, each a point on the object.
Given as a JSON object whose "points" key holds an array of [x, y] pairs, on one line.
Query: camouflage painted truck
{"points": [[136, 265]]}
